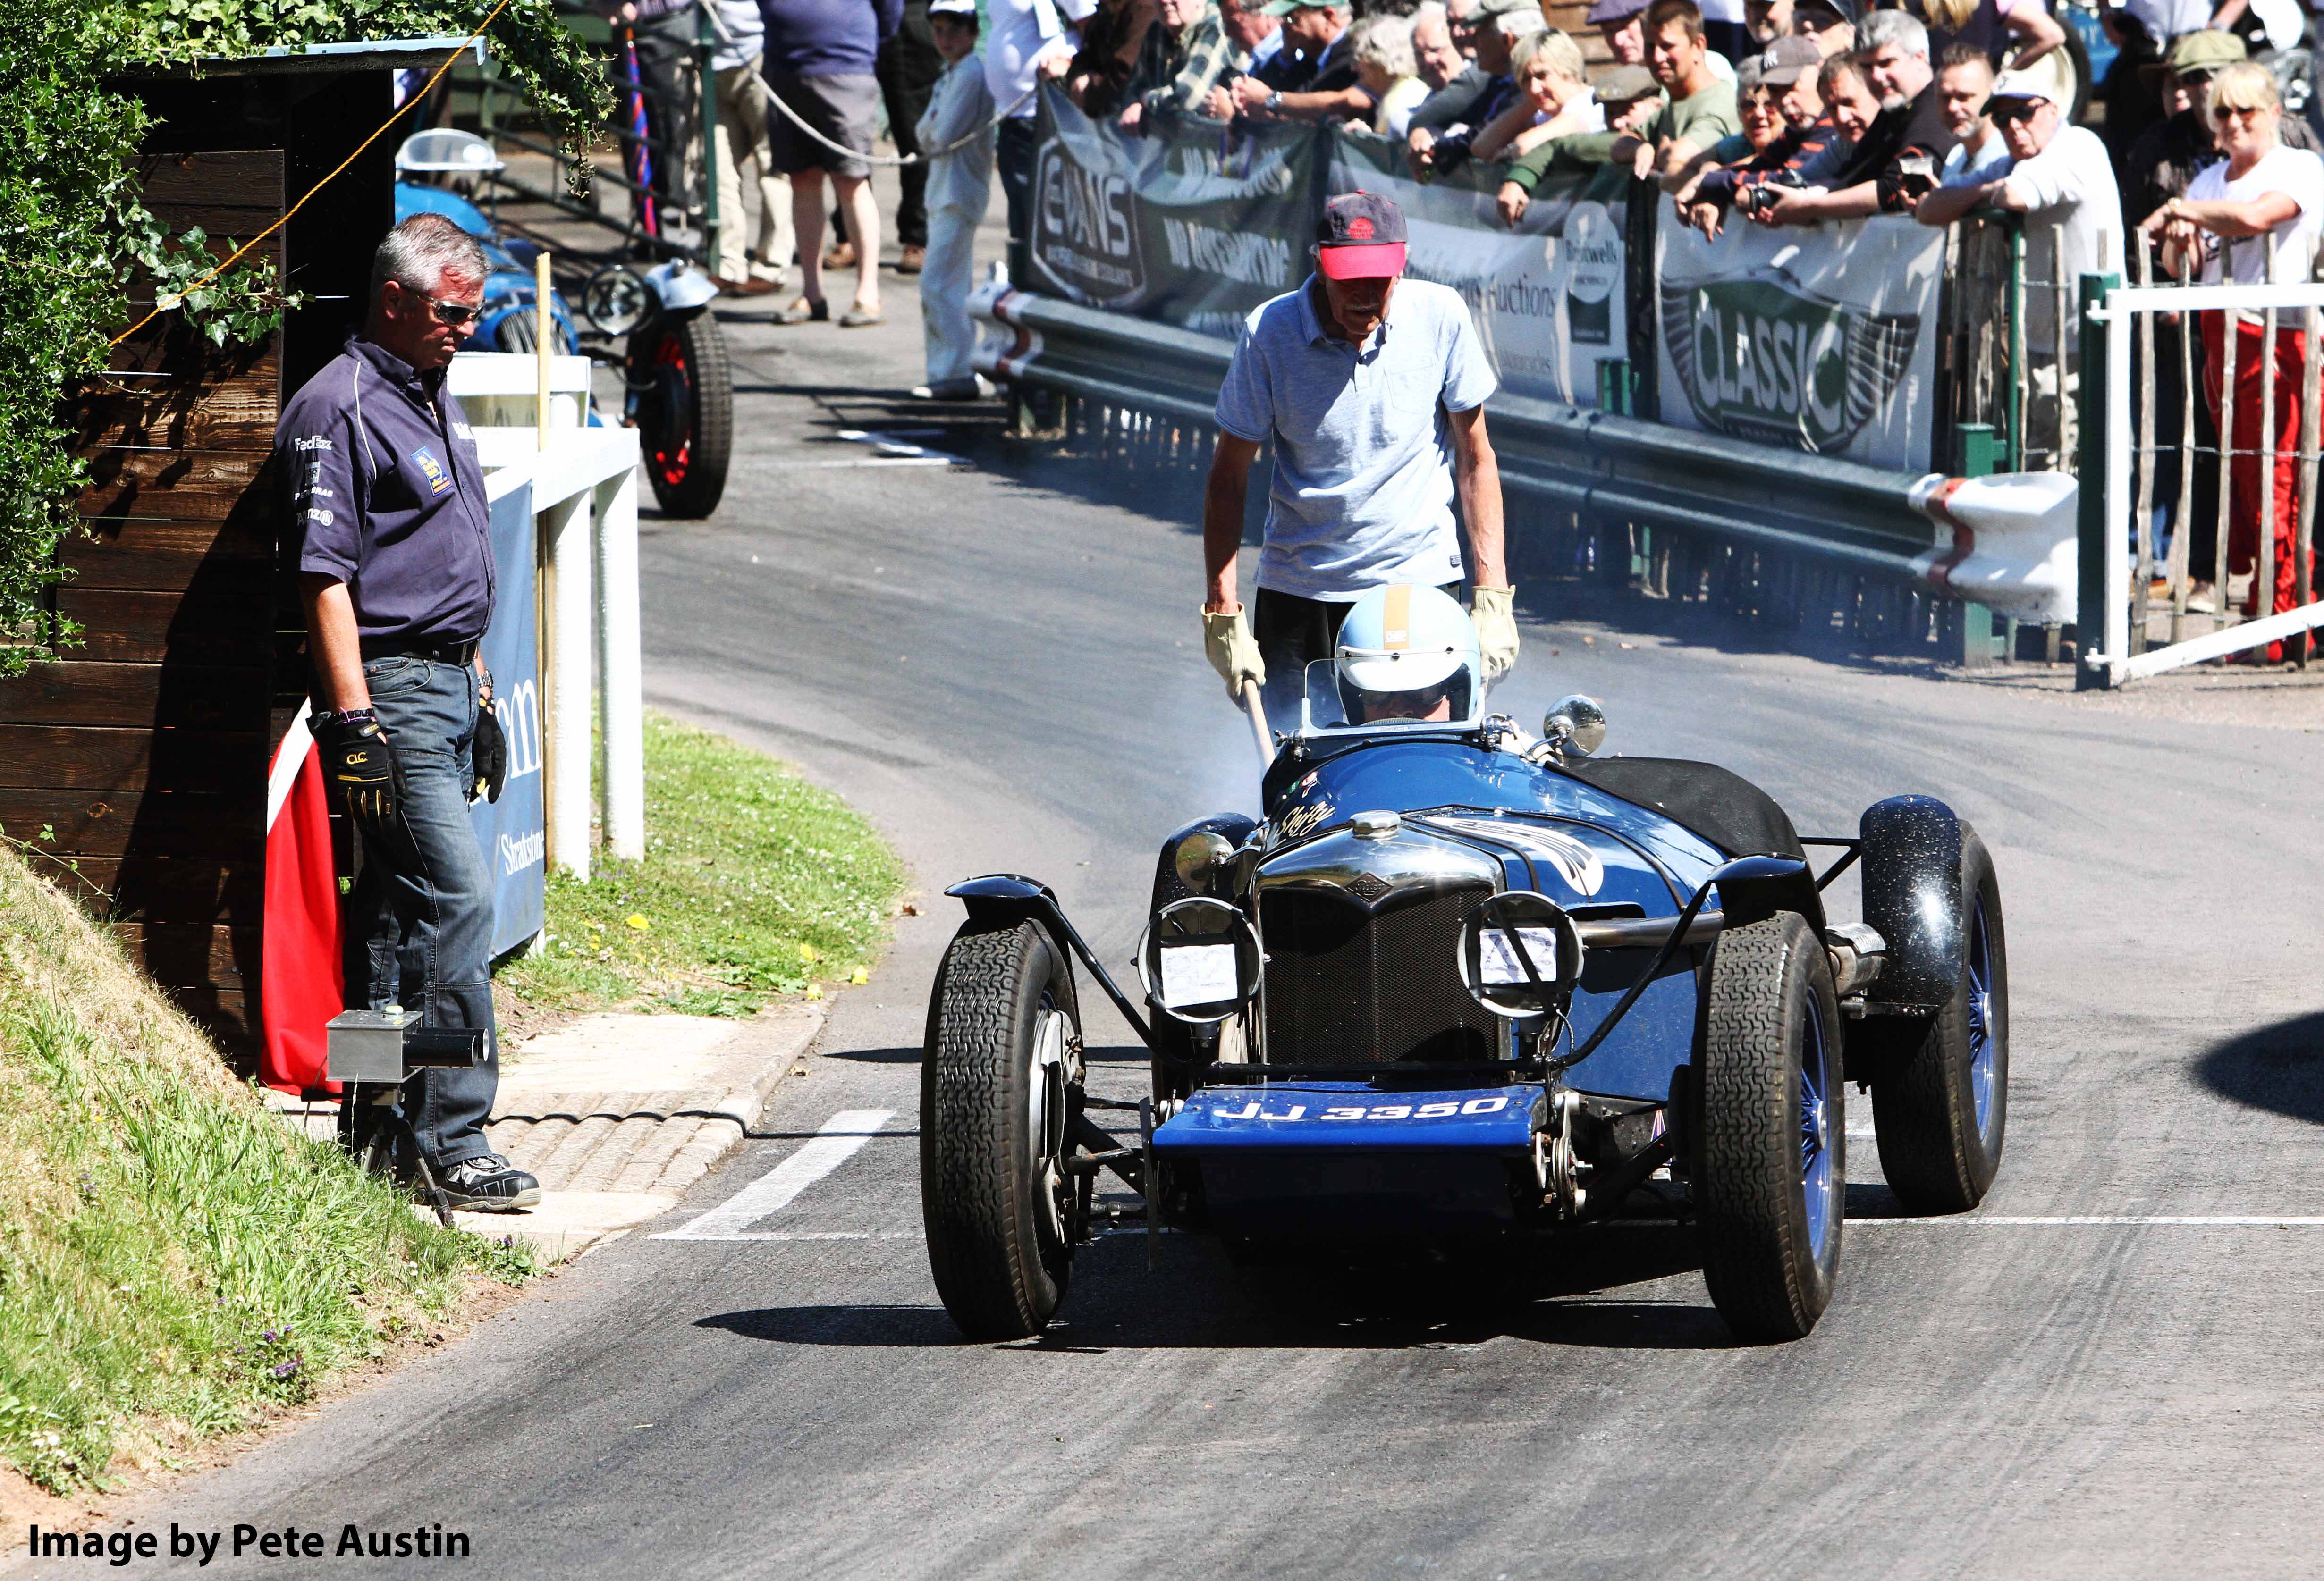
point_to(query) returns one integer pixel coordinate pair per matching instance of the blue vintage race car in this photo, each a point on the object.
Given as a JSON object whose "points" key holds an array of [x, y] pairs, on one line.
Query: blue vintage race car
{"points": [[1464, 989]]}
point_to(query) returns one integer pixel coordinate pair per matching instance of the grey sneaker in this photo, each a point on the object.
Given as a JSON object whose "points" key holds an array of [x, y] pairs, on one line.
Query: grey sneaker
{"points": [[488, 1183]]}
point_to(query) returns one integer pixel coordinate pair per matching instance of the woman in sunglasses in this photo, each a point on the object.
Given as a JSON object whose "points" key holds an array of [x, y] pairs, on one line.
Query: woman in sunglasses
{"points": [[2263, 201]]}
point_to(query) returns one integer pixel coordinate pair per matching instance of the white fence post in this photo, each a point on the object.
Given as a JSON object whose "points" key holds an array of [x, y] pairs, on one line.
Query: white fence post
{"points": [[620, 668], [569, 653]]}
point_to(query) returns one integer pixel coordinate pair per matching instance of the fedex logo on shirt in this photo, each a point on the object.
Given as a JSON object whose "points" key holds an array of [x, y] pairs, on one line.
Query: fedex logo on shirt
{"points": [[438, 479]]}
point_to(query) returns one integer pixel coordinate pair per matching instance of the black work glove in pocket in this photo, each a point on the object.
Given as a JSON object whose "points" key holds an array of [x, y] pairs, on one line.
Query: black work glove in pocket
{"points": [[488, 757], [358, 761]]}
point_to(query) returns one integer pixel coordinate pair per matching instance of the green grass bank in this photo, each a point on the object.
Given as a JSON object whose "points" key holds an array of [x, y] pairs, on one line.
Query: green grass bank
{"points": [[755, 886], [173, 1262]]}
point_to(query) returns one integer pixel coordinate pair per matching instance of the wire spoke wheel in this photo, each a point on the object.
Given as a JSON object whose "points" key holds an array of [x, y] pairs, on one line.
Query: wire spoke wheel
{"points": [[1770, 1146]]}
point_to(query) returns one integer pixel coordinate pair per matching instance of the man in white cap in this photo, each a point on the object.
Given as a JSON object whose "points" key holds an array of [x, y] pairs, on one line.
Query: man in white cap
{"points": [[960, 182], [1373, 390], [2060, 178]]}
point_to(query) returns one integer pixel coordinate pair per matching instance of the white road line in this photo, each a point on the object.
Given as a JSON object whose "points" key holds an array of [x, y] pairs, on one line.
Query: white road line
{"points": [[2198, 1221], [837, 1142]]}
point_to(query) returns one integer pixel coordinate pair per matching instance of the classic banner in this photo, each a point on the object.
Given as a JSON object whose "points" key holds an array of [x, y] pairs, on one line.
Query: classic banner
{"points": [[1820, 339], [1548, 294]]}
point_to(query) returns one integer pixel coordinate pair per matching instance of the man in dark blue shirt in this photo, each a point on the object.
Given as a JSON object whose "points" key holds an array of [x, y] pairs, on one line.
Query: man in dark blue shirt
{"points": [[394, 554]]}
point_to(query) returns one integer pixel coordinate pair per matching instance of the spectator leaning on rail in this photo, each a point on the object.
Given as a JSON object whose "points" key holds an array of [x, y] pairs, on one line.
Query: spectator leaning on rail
{"points": [[1767, 20], [1373, 388], [1313, 77], [2263, 201], [1895, 163], [822, 57], [1554, 99], [1829, 25], [2167, 154], [1791, 69], [2059, 178], [1387, 71], [1186, 53], [1433, 54], [1444, 125], [1627, 97], [1702, 108], [395, 554], [1964, 88]]}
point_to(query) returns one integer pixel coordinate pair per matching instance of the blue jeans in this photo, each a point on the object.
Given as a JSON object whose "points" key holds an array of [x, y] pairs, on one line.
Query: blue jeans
{"points": [[419, 918], [1017, 150]]}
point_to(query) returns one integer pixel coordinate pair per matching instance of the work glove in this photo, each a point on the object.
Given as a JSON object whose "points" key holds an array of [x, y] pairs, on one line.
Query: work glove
{"points": [[488, 757], [358, 761], [1232, 650], [1494, 610]]}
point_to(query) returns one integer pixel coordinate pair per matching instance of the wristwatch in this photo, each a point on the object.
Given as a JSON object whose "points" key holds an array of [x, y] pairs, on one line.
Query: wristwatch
{"points": [[1274, 100]]}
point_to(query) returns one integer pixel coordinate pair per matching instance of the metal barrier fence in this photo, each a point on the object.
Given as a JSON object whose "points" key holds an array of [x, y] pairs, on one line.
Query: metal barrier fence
{"points": [[2144, 505]]}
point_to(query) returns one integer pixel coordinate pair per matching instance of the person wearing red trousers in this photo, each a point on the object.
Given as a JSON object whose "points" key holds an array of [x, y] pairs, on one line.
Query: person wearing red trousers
{"points": [[2264, 203], [2246, 505]]}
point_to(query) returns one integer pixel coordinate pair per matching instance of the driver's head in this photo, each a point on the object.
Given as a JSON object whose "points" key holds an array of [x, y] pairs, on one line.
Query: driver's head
{"points": [[1407, 652]]}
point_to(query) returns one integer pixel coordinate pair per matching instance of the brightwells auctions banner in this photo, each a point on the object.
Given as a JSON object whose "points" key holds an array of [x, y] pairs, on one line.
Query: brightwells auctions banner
{"points": [[1547, 295], [1822, 339]]}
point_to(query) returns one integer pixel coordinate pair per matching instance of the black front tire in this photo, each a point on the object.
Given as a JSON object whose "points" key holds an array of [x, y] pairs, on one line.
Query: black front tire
{"points": [[990, 1186], [685, 411], [1939, 1136], [1769, 1223]]}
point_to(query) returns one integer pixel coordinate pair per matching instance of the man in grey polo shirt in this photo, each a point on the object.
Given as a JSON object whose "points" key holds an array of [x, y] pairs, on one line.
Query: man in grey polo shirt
{"points": [[1373, 388]]}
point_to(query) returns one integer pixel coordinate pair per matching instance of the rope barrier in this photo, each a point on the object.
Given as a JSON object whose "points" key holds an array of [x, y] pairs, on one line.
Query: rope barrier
{"points": [[163, 303]]}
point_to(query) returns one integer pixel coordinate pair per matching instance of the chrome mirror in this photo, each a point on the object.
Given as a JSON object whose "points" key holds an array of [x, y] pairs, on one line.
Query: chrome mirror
{"points": [[1520, 955], [1575, 724], [1199, 960]]}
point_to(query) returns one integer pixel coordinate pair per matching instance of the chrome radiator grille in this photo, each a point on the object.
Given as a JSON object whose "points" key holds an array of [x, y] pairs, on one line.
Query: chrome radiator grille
{"points": [[1347, 986]]}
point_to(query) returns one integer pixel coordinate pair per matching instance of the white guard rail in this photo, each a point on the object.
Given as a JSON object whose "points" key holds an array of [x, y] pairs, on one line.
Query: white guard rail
{"points": [[2124, 649], [584, 484]]}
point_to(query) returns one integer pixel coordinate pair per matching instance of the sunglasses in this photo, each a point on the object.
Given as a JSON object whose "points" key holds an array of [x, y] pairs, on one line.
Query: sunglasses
{"points": [[2005, 111], [2223, 113], [454, 315]]}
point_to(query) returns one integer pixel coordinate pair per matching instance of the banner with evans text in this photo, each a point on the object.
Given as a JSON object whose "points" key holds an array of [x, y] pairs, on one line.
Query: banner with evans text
{"points": [[1822, 339]]}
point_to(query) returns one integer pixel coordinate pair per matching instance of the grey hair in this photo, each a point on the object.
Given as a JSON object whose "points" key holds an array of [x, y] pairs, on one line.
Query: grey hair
{"points": [[1386, 41], [1430, 11], [1517, 24], [1891, 27], [418, 253]]}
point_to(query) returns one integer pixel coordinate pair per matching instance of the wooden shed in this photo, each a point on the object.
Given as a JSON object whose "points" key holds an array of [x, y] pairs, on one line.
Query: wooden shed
{"points": [[141, 756]]}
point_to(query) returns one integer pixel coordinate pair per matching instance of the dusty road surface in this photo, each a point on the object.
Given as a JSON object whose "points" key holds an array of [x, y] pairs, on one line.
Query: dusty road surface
{"points": [[2105, 1372]]}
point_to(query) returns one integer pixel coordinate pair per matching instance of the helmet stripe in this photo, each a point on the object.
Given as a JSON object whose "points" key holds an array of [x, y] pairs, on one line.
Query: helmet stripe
{"points": [[1396, 621]]}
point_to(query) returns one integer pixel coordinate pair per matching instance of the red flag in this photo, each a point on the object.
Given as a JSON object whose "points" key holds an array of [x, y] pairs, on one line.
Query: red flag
{"points": [[302, 986]]}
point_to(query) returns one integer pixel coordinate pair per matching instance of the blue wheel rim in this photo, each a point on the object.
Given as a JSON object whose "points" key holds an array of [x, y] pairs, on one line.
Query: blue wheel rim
{"points": [[1820, 1170], [1984, 1035]]}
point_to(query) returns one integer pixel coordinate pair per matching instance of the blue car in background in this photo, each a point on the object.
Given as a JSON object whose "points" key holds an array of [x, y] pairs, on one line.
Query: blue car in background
{"points": [[679, 388]]}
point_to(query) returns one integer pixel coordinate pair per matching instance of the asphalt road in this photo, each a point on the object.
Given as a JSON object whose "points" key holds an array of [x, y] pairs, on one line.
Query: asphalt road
{"points": [[1007, 675]]}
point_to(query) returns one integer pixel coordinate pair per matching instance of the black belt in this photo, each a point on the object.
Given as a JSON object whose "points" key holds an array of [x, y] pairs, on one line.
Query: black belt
{"points": [[450, 653]]}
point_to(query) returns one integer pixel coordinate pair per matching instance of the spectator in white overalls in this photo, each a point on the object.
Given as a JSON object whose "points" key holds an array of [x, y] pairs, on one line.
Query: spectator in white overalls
{"points": [[959, 183]]}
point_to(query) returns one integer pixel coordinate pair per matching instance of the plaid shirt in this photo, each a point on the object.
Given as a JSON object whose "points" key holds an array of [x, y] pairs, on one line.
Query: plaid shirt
{"points": [[1188, 66]]}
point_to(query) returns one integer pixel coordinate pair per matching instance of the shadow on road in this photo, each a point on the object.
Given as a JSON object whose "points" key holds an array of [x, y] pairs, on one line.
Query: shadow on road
{"points": [[1199, 1300], [2278, 1067]]}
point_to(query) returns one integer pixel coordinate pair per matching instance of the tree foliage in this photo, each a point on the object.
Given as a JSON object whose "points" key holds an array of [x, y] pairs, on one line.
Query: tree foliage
{"points": [[73, 233]]}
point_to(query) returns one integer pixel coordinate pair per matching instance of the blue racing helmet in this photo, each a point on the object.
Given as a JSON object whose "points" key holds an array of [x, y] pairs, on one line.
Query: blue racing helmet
{"points": [[1403, 650]]}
